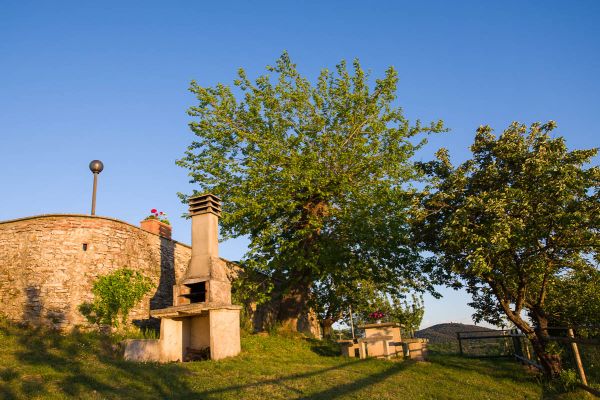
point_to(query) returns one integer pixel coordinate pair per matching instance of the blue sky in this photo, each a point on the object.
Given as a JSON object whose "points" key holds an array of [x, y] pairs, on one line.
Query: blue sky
{"points": [[108, 80]]}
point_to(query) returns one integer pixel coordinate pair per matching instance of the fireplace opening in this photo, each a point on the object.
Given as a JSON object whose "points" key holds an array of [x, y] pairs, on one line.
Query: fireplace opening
{"points": [[197, 292]]}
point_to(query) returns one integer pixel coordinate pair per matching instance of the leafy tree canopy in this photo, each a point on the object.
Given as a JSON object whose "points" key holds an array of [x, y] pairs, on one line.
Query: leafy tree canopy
{"points": [[574, 299], [317, 176], [398, 309], [513, 222]]}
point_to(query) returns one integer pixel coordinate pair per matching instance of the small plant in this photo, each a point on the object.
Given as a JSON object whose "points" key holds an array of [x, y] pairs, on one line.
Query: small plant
{"points": [[158, 215], [115, 295], [376, 315], [135, 332], [568, 380]]}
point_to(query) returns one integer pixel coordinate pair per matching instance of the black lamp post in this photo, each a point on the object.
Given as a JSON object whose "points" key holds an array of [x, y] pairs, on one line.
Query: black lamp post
{"points": [[96, 167]]}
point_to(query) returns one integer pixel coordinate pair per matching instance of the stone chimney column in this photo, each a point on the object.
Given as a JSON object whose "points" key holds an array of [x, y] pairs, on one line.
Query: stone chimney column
{"points": [[205, 211]]}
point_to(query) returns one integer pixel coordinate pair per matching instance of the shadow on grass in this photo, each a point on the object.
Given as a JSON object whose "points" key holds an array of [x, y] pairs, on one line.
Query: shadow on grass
{"points": [[488, 366], [81, 365], [86, 365], [325, 348], [339, 391], [77, 364]]}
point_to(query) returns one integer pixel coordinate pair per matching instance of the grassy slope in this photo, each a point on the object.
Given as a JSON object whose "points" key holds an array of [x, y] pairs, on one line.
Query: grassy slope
{"points": [[36, 364]]}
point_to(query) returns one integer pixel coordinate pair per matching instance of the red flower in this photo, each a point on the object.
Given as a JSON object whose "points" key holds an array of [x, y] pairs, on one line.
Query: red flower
{"points": [[153, 211], [161, 213]]}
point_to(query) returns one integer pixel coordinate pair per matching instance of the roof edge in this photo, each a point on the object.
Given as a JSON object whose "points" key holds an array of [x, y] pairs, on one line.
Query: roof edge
{"points": [[87, 216]]}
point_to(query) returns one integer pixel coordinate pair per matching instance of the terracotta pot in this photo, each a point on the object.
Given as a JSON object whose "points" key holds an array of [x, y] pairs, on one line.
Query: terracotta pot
{"points": [[156, 227]]}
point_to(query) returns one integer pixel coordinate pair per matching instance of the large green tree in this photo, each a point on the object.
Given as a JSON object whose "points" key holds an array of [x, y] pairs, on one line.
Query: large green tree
{"points": [[315, 175], [512, 222]]}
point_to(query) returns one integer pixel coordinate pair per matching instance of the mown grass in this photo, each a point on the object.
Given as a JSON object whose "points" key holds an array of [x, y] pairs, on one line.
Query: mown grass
{"points": [[42, 364]]}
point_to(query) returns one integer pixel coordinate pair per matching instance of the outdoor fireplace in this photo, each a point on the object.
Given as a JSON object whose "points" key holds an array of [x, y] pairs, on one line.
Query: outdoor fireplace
{"points": [[193, 293], [202, 322]]}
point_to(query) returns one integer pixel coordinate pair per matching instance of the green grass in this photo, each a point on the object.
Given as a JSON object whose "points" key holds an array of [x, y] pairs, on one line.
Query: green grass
{"points": [[42, 364]]}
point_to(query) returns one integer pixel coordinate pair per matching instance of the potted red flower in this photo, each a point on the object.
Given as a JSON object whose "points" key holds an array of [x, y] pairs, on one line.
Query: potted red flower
{"points": [[377, 316]]}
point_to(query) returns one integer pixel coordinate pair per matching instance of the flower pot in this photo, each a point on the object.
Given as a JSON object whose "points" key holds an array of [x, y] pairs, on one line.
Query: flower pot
{"points": [[378, 321], [156, 227]]}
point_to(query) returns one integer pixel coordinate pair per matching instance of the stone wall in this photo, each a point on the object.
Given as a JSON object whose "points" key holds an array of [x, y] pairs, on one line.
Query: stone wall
{"points": [[49, 262]]}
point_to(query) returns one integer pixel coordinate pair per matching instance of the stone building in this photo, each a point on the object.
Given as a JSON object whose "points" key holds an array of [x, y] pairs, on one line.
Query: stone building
{"points": [[49, 262]]}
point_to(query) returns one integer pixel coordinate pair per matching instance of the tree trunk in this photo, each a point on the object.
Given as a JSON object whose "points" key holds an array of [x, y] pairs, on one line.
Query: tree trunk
{"points": [[294, 293], [292, 306], [326, 326], [551, 363]]}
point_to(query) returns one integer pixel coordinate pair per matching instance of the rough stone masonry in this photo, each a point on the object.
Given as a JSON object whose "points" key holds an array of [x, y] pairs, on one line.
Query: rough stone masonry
{"points": [[49, 262]]}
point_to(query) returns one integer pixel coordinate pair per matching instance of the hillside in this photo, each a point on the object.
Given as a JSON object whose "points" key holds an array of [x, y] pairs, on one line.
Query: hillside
{"points": [[444, 333], [36, 364]]}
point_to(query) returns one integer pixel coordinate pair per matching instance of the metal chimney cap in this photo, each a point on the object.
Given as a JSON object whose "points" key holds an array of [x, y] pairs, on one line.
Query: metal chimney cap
{"points": [[204, 203], [96, 166]]}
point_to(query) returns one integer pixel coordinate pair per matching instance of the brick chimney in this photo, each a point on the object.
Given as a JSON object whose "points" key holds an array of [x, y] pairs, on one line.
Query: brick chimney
{"points": [[206, 279], [205, 211]]}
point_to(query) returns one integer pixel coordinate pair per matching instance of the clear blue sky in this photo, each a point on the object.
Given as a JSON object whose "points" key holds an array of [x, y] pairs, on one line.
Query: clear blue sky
{"points": [[108, 80]]}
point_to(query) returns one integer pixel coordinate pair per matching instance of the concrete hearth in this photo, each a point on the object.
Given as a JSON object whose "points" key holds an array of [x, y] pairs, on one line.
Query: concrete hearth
{"points": [[202, 323]]}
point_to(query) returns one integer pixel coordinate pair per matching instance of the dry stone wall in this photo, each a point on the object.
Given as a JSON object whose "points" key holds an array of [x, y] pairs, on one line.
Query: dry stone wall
{"points": [[48, 264]]}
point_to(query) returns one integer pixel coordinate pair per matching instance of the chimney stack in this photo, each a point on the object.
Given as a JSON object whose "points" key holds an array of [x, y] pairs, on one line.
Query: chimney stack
{"points": [[205, 211]]}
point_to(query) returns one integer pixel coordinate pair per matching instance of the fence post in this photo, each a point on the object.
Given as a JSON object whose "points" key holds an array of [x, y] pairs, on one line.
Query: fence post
{"points": [[516, 339], [526, 345], [575, 350], [459, 343]]}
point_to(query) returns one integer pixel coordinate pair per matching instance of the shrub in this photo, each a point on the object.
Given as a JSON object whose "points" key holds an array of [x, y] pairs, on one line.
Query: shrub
{"points": [[115, 295]]}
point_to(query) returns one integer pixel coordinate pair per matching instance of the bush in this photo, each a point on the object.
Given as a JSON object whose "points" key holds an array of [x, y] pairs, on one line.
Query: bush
{"points": [[115, 295]]}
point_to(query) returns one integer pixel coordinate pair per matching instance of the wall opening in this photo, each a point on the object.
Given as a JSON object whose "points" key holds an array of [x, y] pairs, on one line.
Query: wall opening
{"points": [[197, 292]]}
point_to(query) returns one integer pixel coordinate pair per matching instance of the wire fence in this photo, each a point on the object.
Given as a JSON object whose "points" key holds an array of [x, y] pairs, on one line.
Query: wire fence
{"points": [[578, 347], [485, 343]]}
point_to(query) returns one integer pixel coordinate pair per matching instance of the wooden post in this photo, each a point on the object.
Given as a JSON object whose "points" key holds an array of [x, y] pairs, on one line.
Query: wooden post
{"points": [[527, 352], [459, 343], [351, 322], [577, 357], [517, 343]]}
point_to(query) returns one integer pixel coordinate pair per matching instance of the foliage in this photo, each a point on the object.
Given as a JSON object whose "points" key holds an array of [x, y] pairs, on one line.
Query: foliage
{"points": [[250, 289], [41, 364], [512, 222], [568, 380], [115, 294], [158, 215], [574, 299], [394, 309], [410, 314], [250, 286], [316, 176], [334, 300]]}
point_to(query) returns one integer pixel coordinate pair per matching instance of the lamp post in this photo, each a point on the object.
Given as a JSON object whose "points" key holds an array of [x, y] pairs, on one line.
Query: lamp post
{"points": [[96, 167]]}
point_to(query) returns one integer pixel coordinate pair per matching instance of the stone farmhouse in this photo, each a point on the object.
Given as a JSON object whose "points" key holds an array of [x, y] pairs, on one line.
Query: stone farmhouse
{"points": [[48, 264]]}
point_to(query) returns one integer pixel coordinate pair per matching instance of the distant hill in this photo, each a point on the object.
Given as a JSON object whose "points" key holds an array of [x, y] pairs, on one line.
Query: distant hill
{"points": [[444, 333]]}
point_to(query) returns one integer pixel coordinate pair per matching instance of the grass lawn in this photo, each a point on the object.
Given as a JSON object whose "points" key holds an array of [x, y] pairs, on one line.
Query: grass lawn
{"points": [[41, 364]]}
